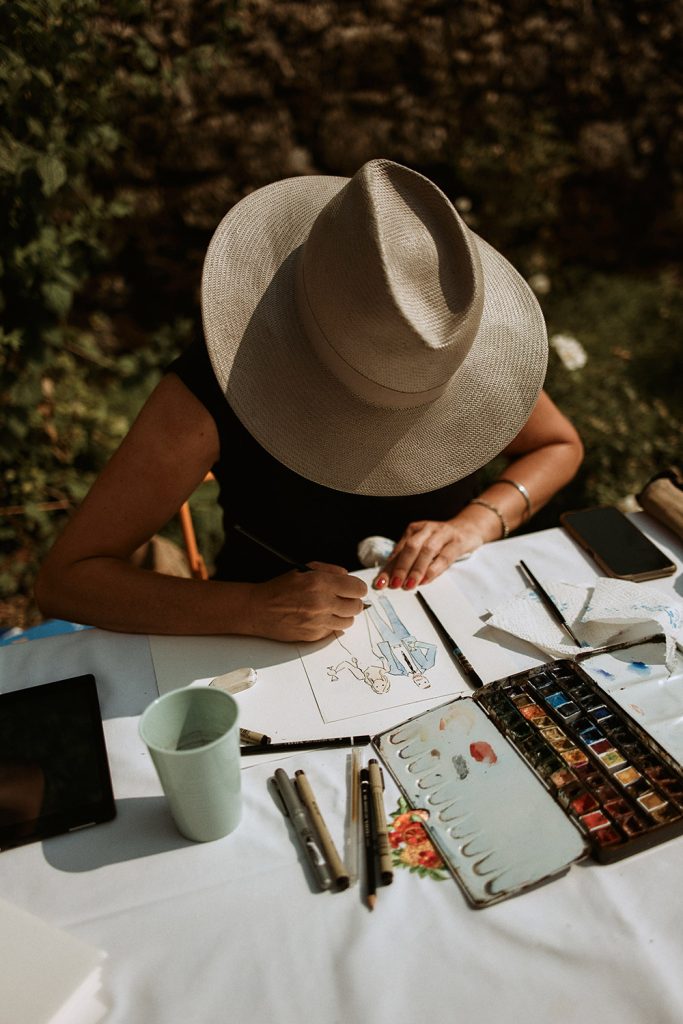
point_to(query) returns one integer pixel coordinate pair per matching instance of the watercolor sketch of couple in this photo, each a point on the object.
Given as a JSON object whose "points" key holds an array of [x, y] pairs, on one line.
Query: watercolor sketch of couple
{"points": [[393, 651], [390, 657]]}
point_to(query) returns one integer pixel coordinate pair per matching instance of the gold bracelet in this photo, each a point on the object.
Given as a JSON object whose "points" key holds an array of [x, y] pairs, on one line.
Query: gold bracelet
{"points": [[504, 529], [522, 490]]}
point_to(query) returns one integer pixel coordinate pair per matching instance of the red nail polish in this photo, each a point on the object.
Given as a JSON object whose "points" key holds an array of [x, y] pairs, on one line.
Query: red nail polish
{"points": [[380, 582], [409, 583], [395, 582]]}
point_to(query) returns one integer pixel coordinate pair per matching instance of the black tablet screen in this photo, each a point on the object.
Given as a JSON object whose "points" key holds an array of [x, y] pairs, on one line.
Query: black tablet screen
{"points": [[54, 773]]}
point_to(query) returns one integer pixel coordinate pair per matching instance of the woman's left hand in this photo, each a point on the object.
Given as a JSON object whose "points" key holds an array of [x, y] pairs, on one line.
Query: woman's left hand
{"points": [[425, 550]]}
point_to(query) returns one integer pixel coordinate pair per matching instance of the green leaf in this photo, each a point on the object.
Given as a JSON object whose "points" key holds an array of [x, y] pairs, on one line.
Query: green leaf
{"points": [[57, 297], [35, 127], [10, 153], [43, 76], [52, 173]]}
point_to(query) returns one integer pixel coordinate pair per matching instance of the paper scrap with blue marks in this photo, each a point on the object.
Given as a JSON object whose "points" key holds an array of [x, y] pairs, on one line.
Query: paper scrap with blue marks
{"points": [[612, 611]]}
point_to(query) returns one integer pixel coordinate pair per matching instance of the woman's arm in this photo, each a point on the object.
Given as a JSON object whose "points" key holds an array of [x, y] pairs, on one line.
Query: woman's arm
{"points": [[88, 577], [544, 457]]}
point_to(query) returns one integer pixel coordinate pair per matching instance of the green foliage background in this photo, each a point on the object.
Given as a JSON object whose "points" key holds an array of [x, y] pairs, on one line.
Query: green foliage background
{"points": [[128, 128], [70, 385]]}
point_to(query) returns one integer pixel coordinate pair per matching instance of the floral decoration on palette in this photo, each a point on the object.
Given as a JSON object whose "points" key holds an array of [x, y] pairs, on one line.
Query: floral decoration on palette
{"points": [[410, 844]]}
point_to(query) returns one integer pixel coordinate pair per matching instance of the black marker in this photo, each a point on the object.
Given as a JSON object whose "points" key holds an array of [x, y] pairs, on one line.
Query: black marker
{"points": [[369, 842], [288, 746]]}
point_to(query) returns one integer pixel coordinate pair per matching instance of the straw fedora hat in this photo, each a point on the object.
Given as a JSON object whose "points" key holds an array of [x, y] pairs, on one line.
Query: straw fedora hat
{"points": [[365, 336]]}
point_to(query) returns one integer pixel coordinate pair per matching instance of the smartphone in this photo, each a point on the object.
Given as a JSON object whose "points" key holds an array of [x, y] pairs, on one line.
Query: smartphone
{"points": [[616, 544]]}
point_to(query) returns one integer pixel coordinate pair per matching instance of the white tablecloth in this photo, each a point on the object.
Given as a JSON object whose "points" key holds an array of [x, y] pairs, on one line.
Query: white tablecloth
{"points": [[234, 930]]}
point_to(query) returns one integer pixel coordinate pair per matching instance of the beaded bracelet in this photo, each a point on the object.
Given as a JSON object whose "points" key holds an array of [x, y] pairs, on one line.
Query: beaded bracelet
{"points": [[522, 490], [492, 508]]}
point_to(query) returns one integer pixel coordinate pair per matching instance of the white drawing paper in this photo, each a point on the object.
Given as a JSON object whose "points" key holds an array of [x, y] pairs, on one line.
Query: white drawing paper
{"points": [[48, 975], [391, 657]]}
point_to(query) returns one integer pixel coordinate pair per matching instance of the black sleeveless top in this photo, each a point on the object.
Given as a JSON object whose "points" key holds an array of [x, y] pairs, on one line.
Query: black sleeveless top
{"points": [[303, 519]]}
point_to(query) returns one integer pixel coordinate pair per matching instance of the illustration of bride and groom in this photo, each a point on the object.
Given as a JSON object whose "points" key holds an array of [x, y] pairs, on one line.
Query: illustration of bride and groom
{"points": [[394, 651]]}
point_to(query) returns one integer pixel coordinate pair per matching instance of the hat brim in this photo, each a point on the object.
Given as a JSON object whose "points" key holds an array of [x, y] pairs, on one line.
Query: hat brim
{"points": [[302, 415]]}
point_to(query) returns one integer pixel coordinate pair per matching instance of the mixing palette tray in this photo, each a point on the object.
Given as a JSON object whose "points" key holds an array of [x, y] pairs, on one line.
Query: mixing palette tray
{"points": [[533, 772]]}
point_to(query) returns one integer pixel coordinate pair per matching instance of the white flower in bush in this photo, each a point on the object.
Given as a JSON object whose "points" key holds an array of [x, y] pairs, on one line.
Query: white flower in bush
{"points": [[540, 283], [571, 352]]}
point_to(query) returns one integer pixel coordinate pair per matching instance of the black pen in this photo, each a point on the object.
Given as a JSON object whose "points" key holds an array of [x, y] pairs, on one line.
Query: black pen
{"points": [[290, 745], [249, 736], [381, 833], [549, 603], [369, 845]]}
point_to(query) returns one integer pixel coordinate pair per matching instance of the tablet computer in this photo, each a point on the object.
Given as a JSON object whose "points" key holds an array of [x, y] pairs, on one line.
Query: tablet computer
{"points": [[54, 772]]}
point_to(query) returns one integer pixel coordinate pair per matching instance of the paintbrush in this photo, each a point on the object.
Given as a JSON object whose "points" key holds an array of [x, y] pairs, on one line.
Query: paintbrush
{"points": [[461, 658], [549, 603], [300, 566]]}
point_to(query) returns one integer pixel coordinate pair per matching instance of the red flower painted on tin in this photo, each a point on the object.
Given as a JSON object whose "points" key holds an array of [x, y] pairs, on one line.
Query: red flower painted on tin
{"points": [[407, 828], [429, 858], [410, 842]]}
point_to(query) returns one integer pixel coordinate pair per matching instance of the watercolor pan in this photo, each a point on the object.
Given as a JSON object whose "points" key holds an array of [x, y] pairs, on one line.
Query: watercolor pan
{"points": [[543, 788]]}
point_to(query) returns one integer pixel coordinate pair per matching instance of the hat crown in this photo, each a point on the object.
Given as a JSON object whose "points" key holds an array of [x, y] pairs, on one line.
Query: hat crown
{"points": [[390, 286], [323, 297]]}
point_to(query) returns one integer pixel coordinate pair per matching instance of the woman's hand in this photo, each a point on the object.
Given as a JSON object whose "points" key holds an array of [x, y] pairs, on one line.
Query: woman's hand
{"points": [[542, 458], [425, 550], [305, 606]]}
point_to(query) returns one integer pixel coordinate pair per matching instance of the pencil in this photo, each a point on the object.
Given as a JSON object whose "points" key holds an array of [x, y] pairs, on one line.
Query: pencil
{"points": [[339, 873], [549, 603], [368, 840], [353, 823]]}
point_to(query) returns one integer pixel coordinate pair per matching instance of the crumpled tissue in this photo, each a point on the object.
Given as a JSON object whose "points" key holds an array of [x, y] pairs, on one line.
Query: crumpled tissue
{"points": [[611, 611]]}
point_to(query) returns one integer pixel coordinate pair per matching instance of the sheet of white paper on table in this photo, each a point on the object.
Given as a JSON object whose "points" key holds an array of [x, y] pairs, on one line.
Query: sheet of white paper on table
{"points": [[610, 611], [391, 657], [638, 679], [283, 704], [182, 660], [105, 654], [460, 621], [48, 976]]}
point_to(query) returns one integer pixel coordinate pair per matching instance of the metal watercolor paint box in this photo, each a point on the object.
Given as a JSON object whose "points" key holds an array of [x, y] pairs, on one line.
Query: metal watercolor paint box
{"points": [[539, 769]]}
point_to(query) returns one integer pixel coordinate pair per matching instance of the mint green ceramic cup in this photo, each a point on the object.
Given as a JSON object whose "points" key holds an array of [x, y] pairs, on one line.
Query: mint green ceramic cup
{"points": [[193, 738]]}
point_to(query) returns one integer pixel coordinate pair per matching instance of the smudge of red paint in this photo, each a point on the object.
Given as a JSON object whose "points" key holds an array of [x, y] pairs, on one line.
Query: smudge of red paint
{"points": [[483, 751]]}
